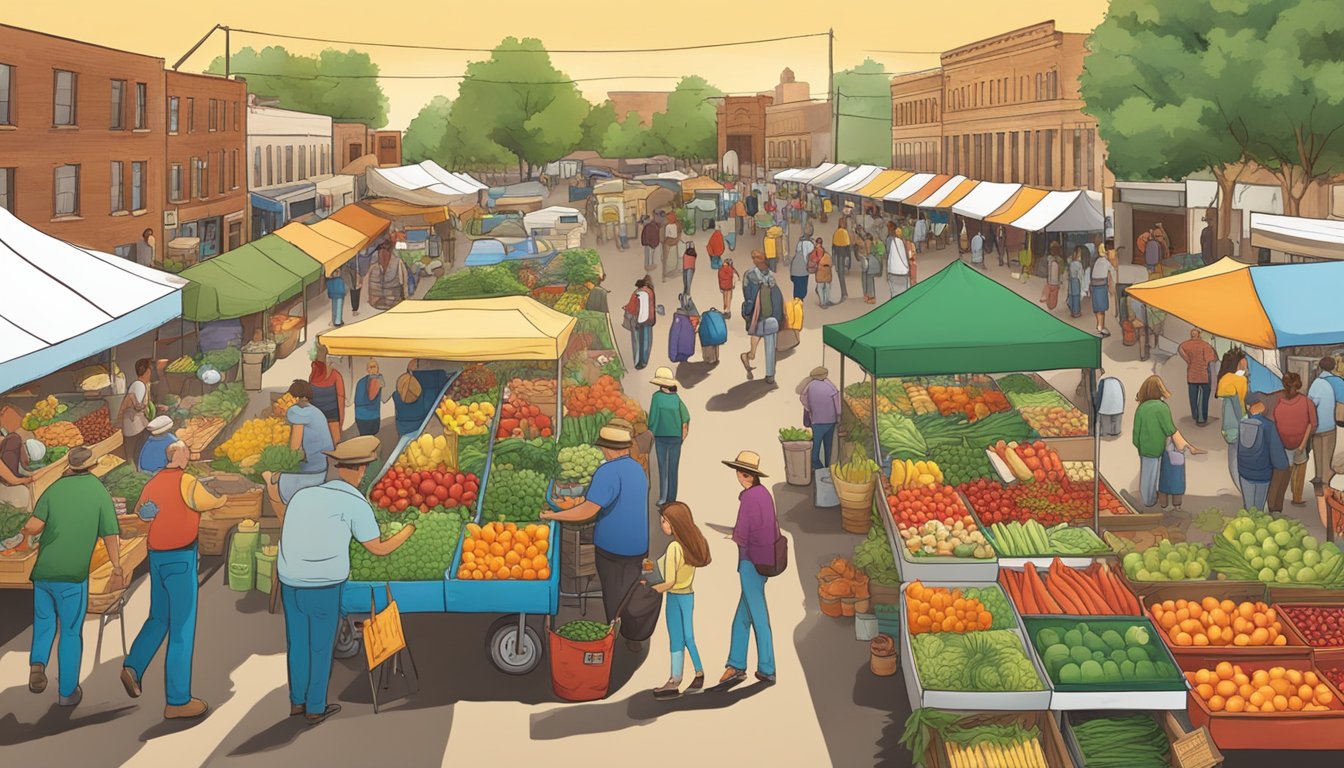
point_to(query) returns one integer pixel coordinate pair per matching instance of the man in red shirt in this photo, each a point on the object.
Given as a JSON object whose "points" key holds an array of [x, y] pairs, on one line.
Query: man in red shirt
{"points": [[1198, 354], [174, 500], [727, 282]]}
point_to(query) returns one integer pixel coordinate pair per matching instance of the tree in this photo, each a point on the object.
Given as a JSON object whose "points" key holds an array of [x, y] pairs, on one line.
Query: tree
{"points": [[427, 132], [521, 102], [340, 84], [438, 134], [863, 98], [629, 138], [688, 129], [600, 117]]}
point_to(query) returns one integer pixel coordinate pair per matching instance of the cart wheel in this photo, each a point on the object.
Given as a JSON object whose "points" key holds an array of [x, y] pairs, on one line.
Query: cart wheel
{"points": [[507, 653], [347, 641]]}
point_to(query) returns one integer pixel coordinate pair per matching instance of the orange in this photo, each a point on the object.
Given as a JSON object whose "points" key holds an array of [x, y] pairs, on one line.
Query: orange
{"points": [[468, 558], [531, 574], [1261, 637], [1183, 638], [1215, 634], [516, 572], [497, 549], [530, 552], [1260, 620], [1201, 639], [1310, 678], [1228, 606], [1235, 704], [1245, 690], [1294, 676], [1281, 687], [1276, 673], [541, 545], [1204, 690], [1294, 703], [543, 573], [1218, 616], [1168, 620], [1281, 640], [488, 534], [512, 558], [502, 573], [1195, 610], [1241, 640], [539, 562], [1260, 678], [1182, 614], [1240, 679], [1257, 699], [1209, 603], [1306, 692], [543, 532], [1180, 604], [1246, 610], [1280, 703], [464, 573], [1226, 688], [1323, 694], [1204, 676]]}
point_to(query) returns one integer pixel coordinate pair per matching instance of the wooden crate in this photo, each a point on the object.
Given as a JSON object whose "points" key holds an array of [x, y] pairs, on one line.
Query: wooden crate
{"points": [[133, 552], [1052, 740], [214, 534], [132, 525], [240, 505], [15, 570]]}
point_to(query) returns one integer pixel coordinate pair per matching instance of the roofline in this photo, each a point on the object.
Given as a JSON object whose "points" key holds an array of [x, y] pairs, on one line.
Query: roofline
{"points": [[968, 46], [206, 76], [159, 59]]}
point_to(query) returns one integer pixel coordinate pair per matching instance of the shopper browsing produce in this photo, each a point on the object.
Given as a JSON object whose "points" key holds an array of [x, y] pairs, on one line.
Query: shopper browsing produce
{"points": [[314, 563], [1295, 417], [687, 552], [370, 393], [1153, 426], [328, 392], [756, 534], [308, 433], [154, 453], [670, 423], [1260, 453], [135, 407], [821, 411]]}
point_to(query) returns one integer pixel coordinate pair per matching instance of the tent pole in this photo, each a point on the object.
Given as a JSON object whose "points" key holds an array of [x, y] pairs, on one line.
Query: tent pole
{"points": [[1096, 454], [877, 444], [559, 400]]}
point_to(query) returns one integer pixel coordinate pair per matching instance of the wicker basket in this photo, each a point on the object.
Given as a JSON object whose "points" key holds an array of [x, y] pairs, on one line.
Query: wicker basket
{"points": [[214, 534], [830, 606]]}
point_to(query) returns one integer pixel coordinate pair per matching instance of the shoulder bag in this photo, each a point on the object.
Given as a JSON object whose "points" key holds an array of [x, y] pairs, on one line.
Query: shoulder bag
{"points": [[781, 562]]}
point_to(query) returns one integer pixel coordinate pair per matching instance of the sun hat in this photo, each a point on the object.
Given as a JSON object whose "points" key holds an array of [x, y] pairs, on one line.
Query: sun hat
{"points": [[617, 435], [747, 461], [663, 377], [820, 372], [80, 457], [356, 450], [160, 425]]}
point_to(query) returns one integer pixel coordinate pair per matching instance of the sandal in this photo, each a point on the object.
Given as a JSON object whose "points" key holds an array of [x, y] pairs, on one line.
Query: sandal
{"points": [[669, 690], [697, 684]]}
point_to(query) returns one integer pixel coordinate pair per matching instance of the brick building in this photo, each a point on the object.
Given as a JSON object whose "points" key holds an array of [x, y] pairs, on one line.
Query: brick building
{"points": [[82, 140], [1007, 109], [741, 127], [351, 141], [206, 161], [798, 130]]}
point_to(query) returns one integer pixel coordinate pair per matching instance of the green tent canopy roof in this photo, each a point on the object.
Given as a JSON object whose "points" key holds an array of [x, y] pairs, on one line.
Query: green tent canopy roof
{"points": [[246, 280], [960, 321]]}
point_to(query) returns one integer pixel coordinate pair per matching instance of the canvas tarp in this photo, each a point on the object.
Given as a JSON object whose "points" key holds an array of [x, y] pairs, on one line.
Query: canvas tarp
{"points": [[424, 184], [1075, 211], [1317, 238], [330, 243], [927, 331], [826, 177], [1022, 201], [470, 330], [908, 187], [854, 179], [246, 280], [882, 183], [362, 220], [985, 199], [64, 303], [950, 193], [393, 210], [932, 185]]}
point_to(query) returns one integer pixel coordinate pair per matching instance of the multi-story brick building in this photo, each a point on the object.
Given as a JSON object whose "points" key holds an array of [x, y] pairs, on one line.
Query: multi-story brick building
{"points": [[798, 130], [206, 178], [82, 140], [351, 141], [917, 121]]}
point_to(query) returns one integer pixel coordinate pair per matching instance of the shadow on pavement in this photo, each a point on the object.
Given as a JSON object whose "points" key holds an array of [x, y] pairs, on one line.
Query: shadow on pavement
{"points": [[742, 395], [56, 721], [690, 374], [639, 709]]}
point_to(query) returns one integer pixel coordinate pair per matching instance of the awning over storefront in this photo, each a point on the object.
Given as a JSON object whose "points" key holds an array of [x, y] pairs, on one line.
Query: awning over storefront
{"points": [[471, 330], [246, 280], [985, 199], [424, 184], [854, 179], [64, 303], [923, 331], [362, 220], [908, 187], [1317, 238], [274, 198], [950, 193], [1270, 306], [932, 185], [330, 243]]}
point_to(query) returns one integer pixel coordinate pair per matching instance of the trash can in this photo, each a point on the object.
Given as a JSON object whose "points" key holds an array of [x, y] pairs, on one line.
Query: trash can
{"points": [[252, 363], [797, 462], [242, 560]]}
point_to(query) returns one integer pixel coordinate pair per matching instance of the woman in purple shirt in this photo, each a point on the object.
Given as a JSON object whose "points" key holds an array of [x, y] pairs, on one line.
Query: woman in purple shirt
{"points": [[755, 534]]}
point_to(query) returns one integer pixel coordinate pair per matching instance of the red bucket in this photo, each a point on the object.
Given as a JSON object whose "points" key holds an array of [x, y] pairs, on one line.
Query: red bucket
{"points": [[580, 671]]}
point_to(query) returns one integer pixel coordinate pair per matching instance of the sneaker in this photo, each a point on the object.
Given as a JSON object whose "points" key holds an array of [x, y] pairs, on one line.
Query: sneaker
{"points": [[73, 699], [193, 708], [764, 678], [130, 682], [770, 380], [732, 676], [1104, 333], [331, 709], [37, 678]]}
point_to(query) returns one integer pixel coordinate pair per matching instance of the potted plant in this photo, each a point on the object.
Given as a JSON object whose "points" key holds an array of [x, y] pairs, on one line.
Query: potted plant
{"points": [[797, 445]]}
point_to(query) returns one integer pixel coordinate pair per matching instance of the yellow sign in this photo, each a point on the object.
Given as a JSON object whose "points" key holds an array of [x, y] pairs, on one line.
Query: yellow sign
{"points": [[383, 636]]}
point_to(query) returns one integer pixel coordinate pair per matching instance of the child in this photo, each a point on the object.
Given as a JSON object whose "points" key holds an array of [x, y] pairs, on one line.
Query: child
{"points": [[727, 282], [1053, 270], [688, 551]]}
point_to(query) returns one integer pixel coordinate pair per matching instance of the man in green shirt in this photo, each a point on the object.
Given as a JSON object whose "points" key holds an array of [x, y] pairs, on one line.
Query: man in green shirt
{"points": [[1153, 427], [70, 517], [670, 422]]}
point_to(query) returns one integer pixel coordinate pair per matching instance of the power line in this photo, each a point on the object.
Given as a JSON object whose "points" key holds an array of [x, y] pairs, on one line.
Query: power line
{"points": [[456, 77], [408, 46], [906, 53]]}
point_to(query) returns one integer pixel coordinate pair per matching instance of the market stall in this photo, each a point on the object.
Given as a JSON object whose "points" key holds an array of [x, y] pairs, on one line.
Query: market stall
{"points": [[425, 183]]}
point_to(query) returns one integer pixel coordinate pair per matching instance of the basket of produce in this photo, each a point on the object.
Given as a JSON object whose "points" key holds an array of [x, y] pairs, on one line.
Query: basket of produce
{"points": [[578, 463], [1118, 739], [985, 740], [529, 585], [971, 669], [855, 481], [797, 445], [937, 429], [185, 365], [873, 556], [1019, 543], [935, 536], [242, 497], [1321, 627], [402, 488], [842, 589], [1062, 590], [225, 402], [1264, 703], [1275, 551], [580, 654], [428, 453], [1106, 662]]}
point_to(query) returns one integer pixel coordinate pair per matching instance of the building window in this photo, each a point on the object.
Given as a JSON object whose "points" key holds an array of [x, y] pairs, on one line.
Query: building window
{"points": [[141, 106], [173, 105], [236, 111], [289, 163], [233, 169], [998, 143], [118, 121], [138, 186], [212, 116], [203, 179], [176, 183], [191, 114], [63, 98], [220, 171], [1040, 86], [67, 190], [270, 177], [118, 187], [197, 185], [1077, 157], [223, 115], [303, 162], [1012, 166], [1050, 157], [7, 189], [6, 82], [256, 166], [1091, 158]]}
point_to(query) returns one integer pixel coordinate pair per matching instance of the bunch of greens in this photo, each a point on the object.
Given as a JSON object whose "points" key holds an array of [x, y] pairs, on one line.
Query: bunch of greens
{"points": [[514, 495], [583, 430], [873, 556], [224, 402], [1018, 383], [614, 368], [595, 323], [580, 265], [540, 454], [471, 453], [222, 359], [794, 435], [125, 483], [583, 631], [425, 556], [275, 458], [11, 520], [994, 601], [991, 660], [1123, 741]]}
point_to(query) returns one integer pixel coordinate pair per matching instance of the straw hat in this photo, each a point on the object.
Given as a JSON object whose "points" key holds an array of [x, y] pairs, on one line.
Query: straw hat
{"points": [[356, 450], [80, 458], [160, 425], [747, 461], [617, 435], [663, 377], [820, 372]]}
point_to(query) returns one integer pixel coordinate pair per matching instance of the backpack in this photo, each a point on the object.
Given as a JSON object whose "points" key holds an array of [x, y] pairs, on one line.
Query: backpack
{"points": [[750, 289], [814, 261], [1250, 438], [713, 329]]}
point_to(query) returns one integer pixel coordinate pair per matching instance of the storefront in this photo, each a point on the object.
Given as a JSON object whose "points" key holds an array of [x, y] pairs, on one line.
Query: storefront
{"points": [[210, 233], [275, 207]]}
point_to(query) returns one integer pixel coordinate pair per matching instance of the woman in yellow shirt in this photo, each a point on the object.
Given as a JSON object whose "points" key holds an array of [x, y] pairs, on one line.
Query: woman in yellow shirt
{"points": [[687, 551], [1232, 386]]}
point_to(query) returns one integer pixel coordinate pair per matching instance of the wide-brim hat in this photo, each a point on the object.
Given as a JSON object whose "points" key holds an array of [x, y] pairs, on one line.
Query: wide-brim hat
{"points": [[663, 377], [617, 435], [747, 461], [820, 372], [356, 450], [80, 457], [160, 425]]}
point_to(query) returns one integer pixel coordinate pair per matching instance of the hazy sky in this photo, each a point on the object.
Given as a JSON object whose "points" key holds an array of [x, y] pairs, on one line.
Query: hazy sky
{"points": [[168, 29]]}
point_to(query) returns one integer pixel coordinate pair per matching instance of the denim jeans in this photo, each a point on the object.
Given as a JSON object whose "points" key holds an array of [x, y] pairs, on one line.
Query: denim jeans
{"points": [[1150, 470], [842, 261], [312, 615], [367, 426], [172, 615], [686, 275], [681, 633], [823, 440], [60, 604], [824, 294], [1254, 494], [668, 451], [771, 342], [897, 284], [752, 615], [799, 287], [338, 310], [1199, 402], [641, 343]]}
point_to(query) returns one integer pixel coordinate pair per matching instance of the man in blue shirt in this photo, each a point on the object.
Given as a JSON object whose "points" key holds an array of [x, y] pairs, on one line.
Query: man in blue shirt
{"points": [[154, 453], [314, 563], [1325, 393], [619, 498], [1259, 452]]}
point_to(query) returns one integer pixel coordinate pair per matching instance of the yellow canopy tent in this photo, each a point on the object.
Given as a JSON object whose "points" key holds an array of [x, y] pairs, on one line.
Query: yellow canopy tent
{"points": [[1022, 201], [327, 242], [1220, 298], [396, 209], [882, 183]]}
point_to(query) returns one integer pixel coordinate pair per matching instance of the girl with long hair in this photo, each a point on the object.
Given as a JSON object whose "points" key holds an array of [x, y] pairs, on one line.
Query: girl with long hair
{"points": [[687, 552], [1231, 386], [1295, 418]]}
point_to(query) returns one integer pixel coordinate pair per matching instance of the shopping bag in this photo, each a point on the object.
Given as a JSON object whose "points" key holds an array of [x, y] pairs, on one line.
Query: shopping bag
{"points": [[383, 635]]}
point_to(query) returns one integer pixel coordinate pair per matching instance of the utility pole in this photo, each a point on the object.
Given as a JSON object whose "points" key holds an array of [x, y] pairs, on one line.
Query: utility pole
{"points": [[198, 44], [227, 54], [835, 105]]}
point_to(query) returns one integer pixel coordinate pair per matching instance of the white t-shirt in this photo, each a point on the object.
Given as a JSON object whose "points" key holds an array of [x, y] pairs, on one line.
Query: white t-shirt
{"points": [[643, 298], [134, 421], [670, 232], [1101, 271], [898, 261]]}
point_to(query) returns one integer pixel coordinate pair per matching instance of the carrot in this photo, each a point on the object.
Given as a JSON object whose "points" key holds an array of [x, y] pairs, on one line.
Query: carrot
{"points": [[1086, 590], [1030, 603], [1130, 599], [1063, 592], [1045, 598], [1009, 586], [1103, 585]]}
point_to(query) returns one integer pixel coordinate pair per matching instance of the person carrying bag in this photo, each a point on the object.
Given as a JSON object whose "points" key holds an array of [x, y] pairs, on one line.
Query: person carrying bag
{"points": [[763, 552]]}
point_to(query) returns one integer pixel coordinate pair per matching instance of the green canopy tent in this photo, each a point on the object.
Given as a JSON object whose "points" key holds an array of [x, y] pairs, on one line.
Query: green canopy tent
{"points": [[960, 321], [247, 280]]}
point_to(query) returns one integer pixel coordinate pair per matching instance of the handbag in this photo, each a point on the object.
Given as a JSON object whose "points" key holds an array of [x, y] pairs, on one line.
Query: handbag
{"points": [[628, 321], [781, 562]]}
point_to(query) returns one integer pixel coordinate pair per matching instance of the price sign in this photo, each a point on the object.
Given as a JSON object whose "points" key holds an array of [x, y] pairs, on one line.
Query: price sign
{"points": [[1196, 750]]}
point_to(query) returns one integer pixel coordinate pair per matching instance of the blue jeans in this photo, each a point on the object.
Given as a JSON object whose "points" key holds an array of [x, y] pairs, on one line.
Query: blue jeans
{"points": [[1253, 494], [1150, 470], [1199, 402], [799, 287], [668, 451], [338, 310], [649, 261], [641, 343], [681, 633], [60, 604], [752, 614], [172, 614], [823, 440], [686, 275], [312, 615]]}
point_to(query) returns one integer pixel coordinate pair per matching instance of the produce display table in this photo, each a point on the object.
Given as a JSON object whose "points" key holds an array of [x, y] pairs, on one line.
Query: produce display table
{"points": [[44, 477], [132, 553]]}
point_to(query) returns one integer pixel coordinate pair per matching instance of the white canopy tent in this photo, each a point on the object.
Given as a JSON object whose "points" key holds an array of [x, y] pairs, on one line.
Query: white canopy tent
{"points": [[807, 175], [423, 184], [1075, 211], [1317, 238], [64, 303], [854, 179], [936, 199], [664, 176], [827, 177], [909, 187], [985, 199]]}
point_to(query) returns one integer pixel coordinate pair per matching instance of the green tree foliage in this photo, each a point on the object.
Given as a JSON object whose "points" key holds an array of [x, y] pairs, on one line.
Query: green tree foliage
{"points": [[599, 118], [450, 138], [427, 131], [689, 128], [629, 138], [864, 99], [339, 84], [521, 102]]}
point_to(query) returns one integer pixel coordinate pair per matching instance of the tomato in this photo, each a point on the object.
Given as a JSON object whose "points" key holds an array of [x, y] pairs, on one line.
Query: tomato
{"points": [[402, 493], [432, 500], [402, 504], [426, 486], [440, 491]]}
